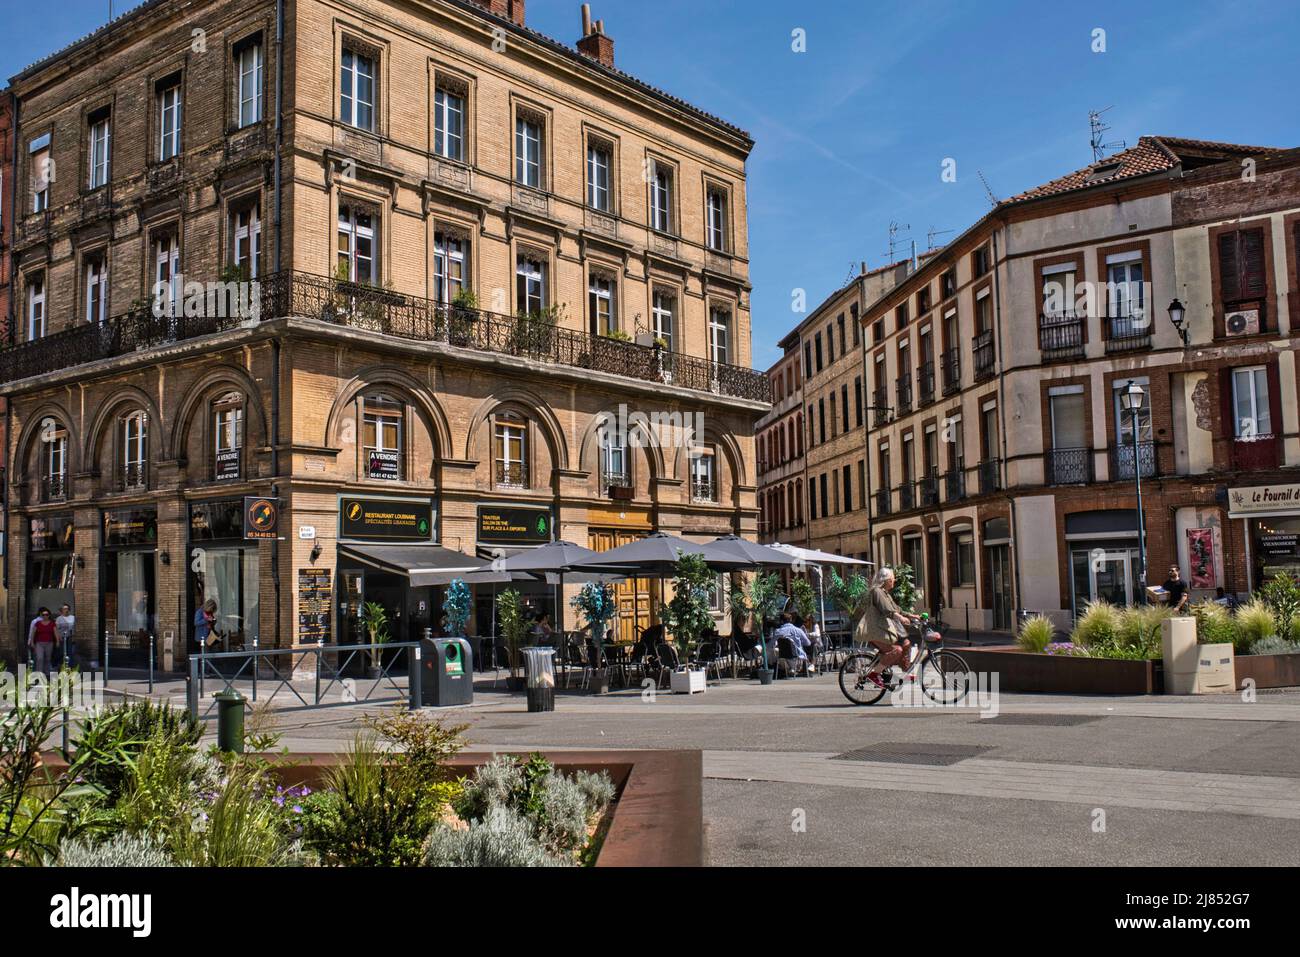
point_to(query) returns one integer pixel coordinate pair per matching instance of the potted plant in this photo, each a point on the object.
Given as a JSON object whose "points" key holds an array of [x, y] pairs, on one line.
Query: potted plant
{"points": [[687, 616], [514, 629], [597, 605], [461, 316], [759, 600], [375, 618]]}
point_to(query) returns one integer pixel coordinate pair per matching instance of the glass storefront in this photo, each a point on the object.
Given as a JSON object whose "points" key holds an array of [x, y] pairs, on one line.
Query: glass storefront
{"points": [[1274, 548], [51, 565], [128, 585], [223, 568]]}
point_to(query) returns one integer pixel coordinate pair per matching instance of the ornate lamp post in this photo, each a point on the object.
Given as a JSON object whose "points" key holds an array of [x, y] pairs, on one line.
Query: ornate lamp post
{"points": [[1131, 399], [1178, 315]]}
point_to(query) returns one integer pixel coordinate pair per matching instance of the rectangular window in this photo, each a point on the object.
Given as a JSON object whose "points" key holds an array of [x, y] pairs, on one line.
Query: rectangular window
{"points": [[826, 498], [357, 91], [169, 121], [228, 429], [598, 167], [661, 198], [980, 261], [449, 125], [41, 167], [857, 399], [54, 464], [834, 418], [135, 449], [848, 489], [248, 84], [830, 344], [530, 285], [381, 438], [704, 477], [96, 289], [812, 420], [839, 321], [100, 148], [964, 559], [807, 360], [812, 499], [821, 418], [528, 152], [857, 325], [356, 246], [844, 407], [1252, 416], [448, 267], [1058, 290], [948, 282], [661, 312], [923, 301], [1242, 273], [600, 300], [167, 272], [862, 483], [719, 334], [510, 441], [817, 342], [36, 308], [717, 220], [246, 252]]}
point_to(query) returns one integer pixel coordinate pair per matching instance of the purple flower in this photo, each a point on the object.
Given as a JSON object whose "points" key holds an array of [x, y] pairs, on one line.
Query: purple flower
{"points": [[297, 809]]}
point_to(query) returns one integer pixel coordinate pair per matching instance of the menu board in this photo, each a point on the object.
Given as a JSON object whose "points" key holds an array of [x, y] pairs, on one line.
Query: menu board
{"points": [[314, 604]]}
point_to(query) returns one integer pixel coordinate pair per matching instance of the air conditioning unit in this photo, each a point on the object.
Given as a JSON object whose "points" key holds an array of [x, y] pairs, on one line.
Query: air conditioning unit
{"points": [[1244, 322]]}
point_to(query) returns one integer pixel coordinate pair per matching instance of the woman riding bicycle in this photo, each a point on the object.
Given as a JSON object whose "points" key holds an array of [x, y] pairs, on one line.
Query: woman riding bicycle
{"points": [[884, 627]]}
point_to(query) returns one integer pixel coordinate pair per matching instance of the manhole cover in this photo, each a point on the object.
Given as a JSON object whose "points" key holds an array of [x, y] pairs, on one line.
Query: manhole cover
{"points": [[906, 753], [1041, 720]]}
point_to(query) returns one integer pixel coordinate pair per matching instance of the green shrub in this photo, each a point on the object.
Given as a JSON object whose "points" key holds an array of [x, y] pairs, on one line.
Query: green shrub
{"points": [[1273, 645], [1097, 625], [1255, 621], [1215, 624], [120, 850], [1282, 596], [112, 740], [1036, 634], [1139, 629], [240, 827]]}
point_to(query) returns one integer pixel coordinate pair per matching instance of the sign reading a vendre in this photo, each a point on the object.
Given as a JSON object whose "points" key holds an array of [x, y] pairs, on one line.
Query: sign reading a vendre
{"points": [[1263, 500]]}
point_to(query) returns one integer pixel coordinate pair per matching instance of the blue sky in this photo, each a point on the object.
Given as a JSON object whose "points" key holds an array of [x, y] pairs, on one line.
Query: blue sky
{"points": [[852, 133]]}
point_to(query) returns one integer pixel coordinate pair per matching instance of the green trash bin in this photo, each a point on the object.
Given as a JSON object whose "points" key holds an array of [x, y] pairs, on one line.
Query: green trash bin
{"points": [[230, 721]]}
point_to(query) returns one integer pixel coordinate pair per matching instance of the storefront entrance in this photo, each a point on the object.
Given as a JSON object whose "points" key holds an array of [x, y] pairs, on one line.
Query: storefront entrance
{"points": [[225, 569], [128, 586], [637, 597], [1104, 573], [51, 567], [999, 559]]}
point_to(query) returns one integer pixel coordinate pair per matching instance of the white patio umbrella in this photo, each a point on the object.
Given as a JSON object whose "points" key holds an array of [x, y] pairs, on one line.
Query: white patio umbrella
{"points": [[812, 557]]}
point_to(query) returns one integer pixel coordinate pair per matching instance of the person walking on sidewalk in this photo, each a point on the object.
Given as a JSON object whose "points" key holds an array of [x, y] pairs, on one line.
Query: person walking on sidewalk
{"points": [[64, 625], [40, 640]]}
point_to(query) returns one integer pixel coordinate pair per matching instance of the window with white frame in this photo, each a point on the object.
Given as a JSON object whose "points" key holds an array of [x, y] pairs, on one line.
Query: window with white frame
{"points": [[661, 198], [449, 124], [1252, 417], [704, 476], [510, 447], [528, 151], [964, 559], [228, 436], [530, 284], [100, 149], [167, 278], [356, 245], [613, 460], [448, 266], [248, 83], [600, 298], [96, 271], [36, 307], [169, 120], [719, 334], [717, 219], [42, 173], [599, 162], [246, 251], [357, 90], [663, 305], [381, 437], [135, 449], [54, 463], [1125, 289]]}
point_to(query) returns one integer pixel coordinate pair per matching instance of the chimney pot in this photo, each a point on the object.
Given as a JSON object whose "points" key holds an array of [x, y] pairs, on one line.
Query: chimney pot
{"points": [[586, 19], [594, 43]]}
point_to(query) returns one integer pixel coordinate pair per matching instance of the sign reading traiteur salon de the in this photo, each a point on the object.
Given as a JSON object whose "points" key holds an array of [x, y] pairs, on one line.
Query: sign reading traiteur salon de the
{"points": [[1263, 499]]}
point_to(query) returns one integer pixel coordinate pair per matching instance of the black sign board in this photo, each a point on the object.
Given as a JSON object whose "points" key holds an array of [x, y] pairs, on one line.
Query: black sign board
{"points": [[314, 604], [382, 465], [384, 520], [217, 521], [227, 466], [513, 526], [1279, 544], [130, 526], [51, 533], [261, 517]]}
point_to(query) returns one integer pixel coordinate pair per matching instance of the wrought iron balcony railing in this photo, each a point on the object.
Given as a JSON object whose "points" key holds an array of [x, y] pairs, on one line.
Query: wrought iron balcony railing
{"points": [[879, 407], [1128, 333], [1068, 466], [990, 477], [903, 389], [882, 501], [950, 361], [954, 484], [927, 490], [925, 383], [1060, 336], [982, 345], [510, 474], [134, 475], [616, 484], [1122, 458], [703, 490], [365, 307], [1260, 452], [906, 496], [54, 488]]}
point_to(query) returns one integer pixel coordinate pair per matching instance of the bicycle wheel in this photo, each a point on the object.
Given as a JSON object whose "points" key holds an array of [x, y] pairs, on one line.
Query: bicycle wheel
{"points": [[855, 684], [945, 677]]}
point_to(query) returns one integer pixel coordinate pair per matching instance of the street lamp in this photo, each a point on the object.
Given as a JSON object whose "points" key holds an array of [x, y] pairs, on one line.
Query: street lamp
{"points": [[1131, 399], [1177, 315]]}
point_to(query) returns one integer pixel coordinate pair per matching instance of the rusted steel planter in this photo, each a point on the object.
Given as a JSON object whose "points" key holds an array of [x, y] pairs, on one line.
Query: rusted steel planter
{"points": [[1021, 671], [1269, 671]]}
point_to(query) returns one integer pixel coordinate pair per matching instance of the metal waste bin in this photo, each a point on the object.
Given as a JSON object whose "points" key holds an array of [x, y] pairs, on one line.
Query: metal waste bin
{"points": [[448, 675], [540, 663]]}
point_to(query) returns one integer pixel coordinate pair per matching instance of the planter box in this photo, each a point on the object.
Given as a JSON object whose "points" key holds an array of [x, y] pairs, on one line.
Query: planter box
{"points": [[687, 682], [1021, 671], [1269, 671]]}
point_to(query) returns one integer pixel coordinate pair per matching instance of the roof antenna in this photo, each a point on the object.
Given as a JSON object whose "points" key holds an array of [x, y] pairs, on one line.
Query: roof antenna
{"points": [[929, 237], [894, 239], [988, 190], [1098, 131]]}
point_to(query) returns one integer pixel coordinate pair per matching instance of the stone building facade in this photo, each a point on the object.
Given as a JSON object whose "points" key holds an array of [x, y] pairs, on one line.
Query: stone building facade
{"points": [[482, 290]]}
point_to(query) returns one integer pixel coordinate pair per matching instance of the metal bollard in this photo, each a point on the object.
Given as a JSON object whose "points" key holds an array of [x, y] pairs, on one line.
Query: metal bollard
{"points": [[230, 721], [151, 654], [192, 688], [413, 682], [255, 662], [320, 650]]}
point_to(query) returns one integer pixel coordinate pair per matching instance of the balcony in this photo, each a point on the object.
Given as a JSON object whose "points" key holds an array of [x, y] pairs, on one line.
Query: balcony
{"points": [[1067, 466], [617, 485], [703, 489], [510, 474], [950, 361], [1260, 452], [1128, 333], [54, 488], [879, 407], [882, 501], [134, 475], [903, 389], [927, 490], [954, 484], [982, 346], [1122, 458], [990, 476], [1060, 336], [388, 313], [925, 384], [906, 496]]}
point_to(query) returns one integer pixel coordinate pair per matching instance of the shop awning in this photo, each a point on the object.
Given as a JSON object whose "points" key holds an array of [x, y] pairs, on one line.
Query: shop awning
{"points": [[423, 564]]}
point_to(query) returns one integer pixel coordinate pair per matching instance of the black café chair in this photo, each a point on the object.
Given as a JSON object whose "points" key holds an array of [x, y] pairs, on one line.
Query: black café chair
{"points": [[709, 656], [787, 656], [667, 657]]}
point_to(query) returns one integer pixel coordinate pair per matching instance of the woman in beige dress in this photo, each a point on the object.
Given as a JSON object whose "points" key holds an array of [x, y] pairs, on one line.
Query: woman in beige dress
{"points": [[884, 626]]}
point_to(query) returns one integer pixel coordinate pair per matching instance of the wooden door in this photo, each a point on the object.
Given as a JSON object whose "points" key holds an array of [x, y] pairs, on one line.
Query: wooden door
{"points": [[634, 597]]}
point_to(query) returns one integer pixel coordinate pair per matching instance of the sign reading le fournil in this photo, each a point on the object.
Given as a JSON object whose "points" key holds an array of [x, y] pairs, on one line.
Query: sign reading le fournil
{"points": [[1264, 498]]}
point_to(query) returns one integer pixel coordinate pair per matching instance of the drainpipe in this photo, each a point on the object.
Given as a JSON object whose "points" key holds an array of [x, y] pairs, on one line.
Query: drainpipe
{"points": [[275, 342], [279, 128], [866, 418], [11, 321], [1002, 423]]}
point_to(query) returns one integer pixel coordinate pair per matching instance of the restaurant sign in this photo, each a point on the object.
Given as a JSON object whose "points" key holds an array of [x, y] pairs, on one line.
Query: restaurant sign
{"points": [[513, 526], [1264, 499], [130, 526], [385, 520]]}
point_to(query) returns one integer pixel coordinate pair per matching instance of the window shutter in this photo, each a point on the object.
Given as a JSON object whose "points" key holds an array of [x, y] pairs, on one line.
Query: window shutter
{"points": [[1227, 416], [1253, 274], [1274, 402], [1229, 271]]}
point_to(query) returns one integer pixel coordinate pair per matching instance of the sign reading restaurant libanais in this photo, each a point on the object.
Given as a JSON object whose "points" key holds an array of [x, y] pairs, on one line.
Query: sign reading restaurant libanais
{"points": [[1264, 498]]}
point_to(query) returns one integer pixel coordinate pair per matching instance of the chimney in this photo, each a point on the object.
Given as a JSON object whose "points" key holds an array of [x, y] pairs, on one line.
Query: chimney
{"points": [[506, 9], [594, 43]]}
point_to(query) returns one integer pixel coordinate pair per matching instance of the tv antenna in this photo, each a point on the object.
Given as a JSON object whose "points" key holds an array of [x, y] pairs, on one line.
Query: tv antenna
{"points": [[929, 237], [988, 190], [894, 238], [1098, 130]]}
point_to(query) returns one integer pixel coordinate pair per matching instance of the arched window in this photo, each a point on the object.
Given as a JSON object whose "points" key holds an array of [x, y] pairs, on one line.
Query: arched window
{"points": [[510, 451], [228, 437], [381, 438], [134, 458]]}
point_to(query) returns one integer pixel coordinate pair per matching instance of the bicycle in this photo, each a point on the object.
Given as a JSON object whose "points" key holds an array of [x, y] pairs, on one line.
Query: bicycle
{"points": [[944, 676]]}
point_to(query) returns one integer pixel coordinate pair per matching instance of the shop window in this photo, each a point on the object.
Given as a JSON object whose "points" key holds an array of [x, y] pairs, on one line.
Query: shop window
{"points": [[510, 448], [381, 438], [228, 441], [135, 450]]}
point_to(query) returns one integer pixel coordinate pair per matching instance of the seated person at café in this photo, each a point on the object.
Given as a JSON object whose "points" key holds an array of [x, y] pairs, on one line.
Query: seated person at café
{"points": [[542, 631], [797, 636]]}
